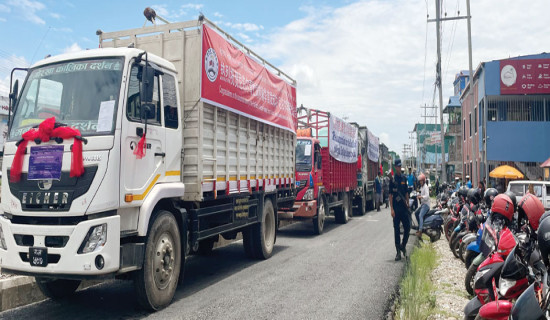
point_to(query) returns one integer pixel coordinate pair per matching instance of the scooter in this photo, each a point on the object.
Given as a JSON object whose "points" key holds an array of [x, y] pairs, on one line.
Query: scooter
{"points": [[433, 222]]}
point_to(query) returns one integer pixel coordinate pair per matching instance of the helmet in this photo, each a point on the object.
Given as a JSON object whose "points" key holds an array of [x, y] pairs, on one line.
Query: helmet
{"points": [[422, 177], [502, 204], [490, 195], [531, 207], [543, 237], [474, 196], [463, 192], [397, 163], [512, 196]]}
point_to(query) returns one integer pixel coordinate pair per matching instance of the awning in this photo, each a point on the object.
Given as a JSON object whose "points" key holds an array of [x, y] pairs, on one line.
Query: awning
{"points": [[546, 164]]}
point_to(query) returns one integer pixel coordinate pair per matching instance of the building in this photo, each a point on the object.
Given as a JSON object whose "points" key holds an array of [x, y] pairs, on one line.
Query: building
{"points": [[509, 121], [428, 142], [453, 128]]}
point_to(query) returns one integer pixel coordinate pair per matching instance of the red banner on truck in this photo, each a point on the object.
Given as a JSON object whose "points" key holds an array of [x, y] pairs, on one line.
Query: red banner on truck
{"points": [[235, 81], [529, 76]]}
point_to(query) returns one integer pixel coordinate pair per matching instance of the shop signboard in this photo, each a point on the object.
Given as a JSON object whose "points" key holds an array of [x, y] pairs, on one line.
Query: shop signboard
{"points": [[529, 76]]}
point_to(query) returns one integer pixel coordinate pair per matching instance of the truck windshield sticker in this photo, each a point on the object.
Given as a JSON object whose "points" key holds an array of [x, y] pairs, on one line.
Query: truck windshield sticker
{"points": [[105, 118], [93, 65]]}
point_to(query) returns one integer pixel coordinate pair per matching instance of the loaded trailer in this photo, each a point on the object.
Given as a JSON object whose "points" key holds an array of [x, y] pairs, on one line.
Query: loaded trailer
{"points": [[177, 143]]}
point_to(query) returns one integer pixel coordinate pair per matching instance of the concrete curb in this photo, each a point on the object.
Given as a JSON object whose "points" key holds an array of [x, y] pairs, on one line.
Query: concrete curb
{"points": [[18, 291]]}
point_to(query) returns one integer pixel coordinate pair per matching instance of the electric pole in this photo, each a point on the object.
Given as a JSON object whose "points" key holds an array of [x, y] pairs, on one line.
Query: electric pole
{"points": [[438, 20]]}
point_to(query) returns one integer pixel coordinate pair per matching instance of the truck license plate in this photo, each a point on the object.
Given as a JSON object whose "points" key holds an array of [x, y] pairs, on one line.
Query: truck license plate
{"points": [[38, 257]]}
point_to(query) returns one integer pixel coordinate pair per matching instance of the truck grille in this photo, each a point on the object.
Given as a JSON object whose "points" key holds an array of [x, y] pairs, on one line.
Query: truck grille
{"points": [[25, 240], [52, 258]]}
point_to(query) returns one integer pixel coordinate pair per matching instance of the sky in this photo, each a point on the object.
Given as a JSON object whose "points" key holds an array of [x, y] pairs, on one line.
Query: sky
{"points": [[370, 62]]}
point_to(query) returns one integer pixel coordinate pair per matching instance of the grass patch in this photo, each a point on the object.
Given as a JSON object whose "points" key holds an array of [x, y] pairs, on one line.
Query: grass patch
{"points": [[417, 300]]}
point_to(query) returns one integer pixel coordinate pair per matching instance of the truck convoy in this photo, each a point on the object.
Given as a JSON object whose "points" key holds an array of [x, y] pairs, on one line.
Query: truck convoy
{"points": [[122, 160], [326, 169]]}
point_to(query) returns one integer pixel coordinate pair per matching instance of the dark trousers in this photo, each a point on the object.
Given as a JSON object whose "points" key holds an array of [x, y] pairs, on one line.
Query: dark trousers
{"points": [[401, 216]]}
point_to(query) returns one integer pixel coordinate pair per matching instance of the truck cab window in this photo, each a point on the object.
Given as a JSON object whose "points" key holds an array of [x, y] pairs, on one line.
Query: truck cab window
{"points": [[169, 101], [133, 106]]}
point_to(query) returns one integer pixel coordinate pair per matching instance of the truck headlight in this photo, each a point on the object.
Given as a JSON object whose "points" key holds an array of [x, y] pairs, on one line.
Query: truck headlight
{"points": [[95, 239], [2, 240], [308, 195]]}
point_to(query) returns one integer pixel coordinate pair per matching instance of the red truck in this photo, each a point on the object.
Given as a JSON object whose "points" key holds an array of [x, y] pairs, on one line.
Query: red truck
{"points": [[326, 169]]}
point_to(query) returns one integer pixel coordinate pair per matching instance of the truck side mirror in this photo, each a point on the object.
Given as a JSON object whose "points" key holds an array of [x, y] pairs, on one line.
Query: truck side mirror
{"points": [[147, 84], [319, 161], [148, 111], [14, 94]]}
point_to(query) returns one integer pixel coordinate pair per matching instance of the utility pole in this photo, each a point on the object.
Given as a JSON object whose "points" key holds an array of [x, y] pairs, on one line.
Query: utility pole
{"points": [[438, 81], [437, 20], [471, 81]]}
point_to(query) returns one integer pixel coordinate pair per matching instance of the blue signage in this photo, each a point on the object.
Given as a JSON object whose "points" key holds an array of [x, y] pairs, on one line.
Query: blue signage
{"points": [[45, 162]]}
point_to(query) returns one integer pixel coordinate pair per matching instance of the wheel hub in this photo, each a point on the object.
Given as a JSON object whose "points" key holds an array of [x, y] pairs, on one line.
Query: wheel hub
{"points": [[164, 261]]}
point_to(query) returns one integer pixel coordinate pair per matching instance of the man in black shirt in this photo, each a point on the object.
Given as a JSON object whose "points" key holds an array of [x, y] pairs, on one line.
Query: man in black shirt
{"points": [[399, 202]]}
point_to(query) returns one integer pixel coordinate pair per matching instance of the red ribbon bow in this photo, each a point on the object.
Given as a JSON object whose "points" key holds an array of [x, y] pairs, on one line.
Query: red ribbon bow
{"points": [[47, 130]]}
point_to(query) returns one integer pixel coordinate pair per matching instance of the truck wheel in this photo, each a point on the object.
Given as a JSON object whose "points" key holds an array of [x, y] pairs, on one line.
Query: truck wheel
{"points": [[259, 238], [319, 220], [342, 215], [57, 289], [361, 204], [156, 282]]}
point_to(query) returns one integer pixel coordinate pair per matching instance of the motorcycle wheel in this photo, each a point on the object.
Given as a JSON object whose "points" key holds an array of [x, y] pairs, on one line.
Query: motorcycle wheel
{"points": [[436, 236], [469, 257], [469, 279], [448, 231], [452, 239], [455, 245], [463, 246]]}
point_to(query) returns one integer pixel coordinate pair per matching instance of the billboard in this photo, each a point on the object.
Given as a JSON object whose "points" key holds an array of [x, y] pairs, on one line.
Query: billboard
{"points": [[530, 76], [373, 148], [233, 80], [342, 140]]}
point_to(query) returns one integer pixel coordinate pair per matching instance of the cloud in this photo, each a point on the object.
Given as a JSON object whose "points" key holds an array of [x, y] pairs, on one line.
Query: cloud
{"points": [[218, 15], [73, 48], [3, 20], [367, 58], [4, 8], [55, 15], [248, 27], [177, 14], [28, 9]]}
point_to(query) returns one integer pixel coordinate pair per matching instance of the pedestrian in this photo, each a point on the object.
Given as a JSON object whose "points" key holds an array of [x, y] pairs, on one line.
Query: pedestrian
{"points": [[424, 198], [378, 186], [457, 183], [386, 188], [436, 185], [410, 179], [468, 182], [481, 187], [399, 202]]}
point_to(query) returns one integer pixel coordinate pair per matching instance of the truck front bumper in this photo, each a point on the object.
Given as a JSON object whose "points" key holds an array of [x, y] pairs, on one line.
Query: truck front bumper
{"points": [[300, 210], [62, 243]]}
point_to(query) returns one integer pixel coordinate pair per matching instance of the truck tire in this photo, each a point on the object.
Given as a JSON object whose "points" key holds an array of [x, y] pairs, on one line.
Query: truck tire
{"points": [[342, 215], [361, 204], [157, 280], [259, 239], [58, 288], [319, 220]]}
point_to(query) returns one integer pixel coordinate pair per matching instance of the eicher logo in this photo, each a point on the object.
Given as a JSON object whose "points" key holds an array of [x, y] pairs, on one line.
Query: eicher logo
{"points": [[508, 75], [211, 64]]}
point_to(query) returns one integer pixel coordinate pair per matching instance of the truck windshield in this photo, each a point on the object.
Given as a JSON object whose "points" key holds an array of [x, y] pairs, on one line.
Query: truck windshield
{"points": [[303, 155], [82, 94]]}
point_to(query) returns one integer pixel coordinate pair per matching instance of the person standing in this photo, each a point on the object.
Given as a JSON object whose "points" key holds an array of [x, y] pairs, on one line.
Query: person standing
{"points": [[468, 183], [436, 186], [410, 179], [378, 186], [399, 202], [424, 198]]}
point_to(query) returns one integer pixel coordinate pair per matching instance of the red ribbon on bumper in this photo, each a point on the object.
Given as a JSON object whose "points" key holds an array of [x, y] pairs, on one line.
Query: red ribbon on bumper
{"points": [[47, 130]]}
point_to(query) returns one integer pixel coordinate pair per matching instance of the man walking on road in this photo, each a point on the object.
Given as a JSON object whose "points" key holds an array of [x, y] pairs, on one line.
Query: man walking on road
{"points": [[378, 185], [399, 202]]}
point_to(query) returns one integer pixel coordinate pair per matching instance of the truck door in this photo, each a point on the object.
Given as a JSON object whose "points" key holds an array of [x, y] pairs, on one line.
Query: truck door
{"points": [[139, 175], [172, 116]]}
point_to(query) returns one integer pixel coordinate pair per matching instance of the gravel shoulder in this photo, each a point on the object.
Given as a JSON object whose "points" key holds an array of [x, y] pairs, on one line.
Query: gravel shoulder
{"points": [[448, 279]]}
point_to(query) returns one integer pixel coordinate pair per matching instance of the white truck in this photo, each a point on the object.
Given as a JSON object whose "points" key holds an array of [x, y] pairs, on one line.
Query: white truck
{"points": [[187, 135]]}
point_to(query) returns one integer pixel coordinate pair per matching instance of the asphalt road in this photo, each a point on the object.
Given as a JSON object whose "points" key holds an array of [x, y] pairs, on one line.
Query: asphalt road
{"points": [[348, 272]]}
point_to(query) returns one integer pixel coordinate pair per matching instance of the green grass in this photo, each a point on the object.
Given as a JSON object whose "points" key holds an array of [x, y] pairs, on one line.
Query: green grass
{"points": [[417, 300]]}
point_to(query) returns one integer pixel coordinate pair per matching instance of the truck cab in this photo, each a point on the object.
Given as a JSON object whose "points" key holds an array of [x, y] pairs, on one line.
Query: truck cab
{"points": [[309, 175]]}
